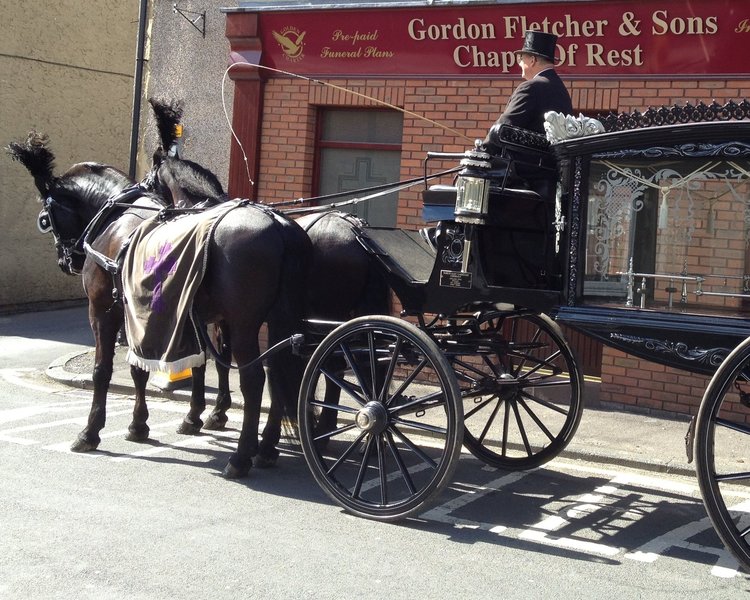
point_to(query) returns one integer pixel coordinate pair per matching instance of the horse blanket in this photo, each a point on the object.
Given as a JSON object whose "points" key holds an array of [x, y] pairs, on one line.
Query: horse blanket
{"points": [[162, 270]]}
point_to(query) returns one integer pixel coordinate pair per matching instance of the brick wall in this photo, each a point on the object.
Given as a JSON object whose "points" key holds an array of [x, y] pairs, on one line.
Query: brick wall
{"points": [[629, 381]]}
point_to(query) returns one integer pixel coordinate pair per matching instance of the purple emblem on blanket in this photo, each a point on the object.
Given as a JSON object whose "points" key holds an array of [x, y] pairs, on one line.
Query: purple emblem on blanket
{"points": [[161, 267]]}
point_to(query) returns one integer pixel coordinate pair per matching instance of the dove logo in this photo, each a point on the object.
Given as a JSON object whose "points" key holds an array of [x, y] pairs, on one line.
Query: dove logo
{"points": [[291, 41]]}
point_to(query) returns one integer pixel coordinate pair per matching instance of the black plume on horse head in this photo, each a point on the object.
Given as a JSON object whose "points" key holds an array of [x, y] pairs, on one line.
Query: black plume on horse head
{"points": [[180, 182], [37, 158], [168, 114]]}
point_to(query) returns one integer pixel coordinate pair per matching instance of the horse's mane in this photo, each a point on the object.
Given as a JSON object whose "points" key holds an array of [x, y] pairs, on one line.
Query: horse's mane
{"points": [[37, 158], [91, 183], [194, 179], [168, 114]]}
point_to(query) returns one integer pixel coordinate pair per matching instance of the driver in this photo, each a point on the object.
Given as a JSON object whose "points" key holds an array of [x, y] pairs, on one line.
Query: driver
{"points": [[542, 89]]}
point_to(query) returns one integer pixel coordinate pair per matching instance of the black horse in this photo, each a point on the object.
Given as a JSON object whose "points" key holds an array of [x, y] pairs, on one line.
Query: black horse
{"points": [[255, 273], [343, 282]]}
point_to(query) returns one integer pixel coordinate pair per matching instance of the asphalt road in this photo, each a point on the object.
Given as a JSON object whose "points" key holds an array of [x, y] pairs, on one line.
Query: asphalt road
{"points": [[157, 521]]}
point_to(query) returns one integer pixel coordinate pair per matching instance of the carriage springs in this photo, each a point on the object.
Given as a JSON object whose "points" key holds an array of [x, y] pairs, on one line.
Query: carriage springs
{"points": [[594, 54]]}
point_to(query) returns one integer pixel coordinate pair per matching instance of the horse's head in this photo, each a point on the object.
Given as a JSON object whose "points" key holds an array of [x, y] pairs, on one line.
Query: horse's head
{"points": [[72, 203], [69, 201]]}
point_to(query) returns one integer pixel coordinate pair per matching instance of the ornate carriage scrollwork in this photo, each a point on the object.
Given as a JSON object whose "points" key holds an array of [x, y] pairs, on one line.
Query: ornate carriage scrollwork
{"points": [[677, 350], [674, 115], [453, 248], [559, 127]]}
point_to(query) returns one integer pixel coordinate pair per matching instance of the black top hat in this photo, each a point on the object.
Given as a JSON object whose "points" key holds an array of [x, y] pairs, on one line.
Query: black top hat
{"points": [[539, 43]]}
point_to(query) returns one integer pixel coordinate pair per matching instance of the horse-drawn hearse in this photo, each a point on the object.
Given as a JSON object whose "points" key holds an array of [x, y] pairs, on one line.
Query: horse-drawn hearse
{"points": [[634, 229]]}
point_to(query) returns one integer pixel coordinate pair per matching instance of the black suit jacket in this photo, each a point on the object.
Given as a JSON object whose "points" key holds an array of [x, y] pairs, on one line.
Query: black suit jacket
{"points": [[531, 99]]}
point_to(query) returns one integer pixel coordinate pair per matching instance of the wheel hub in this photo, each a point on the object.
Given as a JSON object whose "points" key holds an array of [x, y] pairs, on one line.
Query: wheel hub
{"points": [[372, 417]]}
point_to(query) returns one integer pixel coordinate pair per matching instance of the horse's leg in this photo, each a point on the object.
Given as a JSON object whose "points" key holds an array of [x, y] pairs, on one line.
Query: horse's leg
{"points": [[268, 454], [217, 420], [252, 381], [284, 378], [192, 423], [105, 325], [138, 429]]}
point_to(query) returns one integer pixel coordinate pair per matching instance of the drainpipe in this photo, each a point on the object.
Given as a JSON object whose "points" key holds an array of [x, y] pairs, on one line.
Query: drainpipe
{"points": [[138, 86]]}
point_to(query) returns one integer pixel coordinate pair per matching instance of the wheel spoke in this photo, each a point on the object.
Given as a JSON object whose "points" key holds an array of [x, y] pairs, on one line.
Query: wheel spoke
{"points": [[335, 407], [521, 428], [335, 432], [480, 406], [739, 427], [536, 419], [392, 364], [541, 363], [354, 366], [362, 469], [373, 364], [506, 421], [407, 381], [400, 463], [464, 374], [491, 420], [382, 469], [733, 476], [425, 402], [425, 458], [544, 403], [345, 386], [346, 454], [523, 356], [421, 426]]}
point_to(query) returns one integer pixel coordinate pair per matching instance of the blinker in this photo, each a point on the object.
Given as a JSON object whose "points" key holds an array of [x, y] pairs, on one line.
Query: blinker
{"points": [[44, 222]]}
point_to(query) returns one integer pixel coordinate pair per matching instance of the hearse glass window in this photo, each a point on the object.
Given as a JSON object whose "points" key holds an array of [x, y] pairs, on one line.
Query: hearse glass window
{"points": [[359, 149], [669, 235]]}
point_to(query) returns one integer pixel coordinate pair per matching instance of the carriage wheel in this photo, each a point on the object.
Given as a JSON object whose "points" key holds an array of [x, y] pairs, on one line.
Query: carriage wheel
{"points": [[522, 391], [392, 438], [722, 448]]}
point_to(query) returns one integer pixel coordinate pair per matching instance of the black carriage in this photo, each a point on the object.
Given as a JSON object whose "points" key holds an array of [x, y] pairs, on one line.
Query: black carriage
{"points": [[635, 231]]}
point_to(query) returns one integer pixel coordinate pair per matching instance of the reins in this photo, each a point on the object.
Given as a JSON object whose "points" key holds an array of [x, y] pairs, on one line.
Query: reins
{"points": [[379, 190]]}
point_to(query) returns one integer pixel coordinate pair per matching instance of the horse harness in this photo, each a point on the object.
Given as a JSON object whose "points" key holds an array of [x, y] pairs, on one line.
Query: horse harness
{"points": [[81, 247]]}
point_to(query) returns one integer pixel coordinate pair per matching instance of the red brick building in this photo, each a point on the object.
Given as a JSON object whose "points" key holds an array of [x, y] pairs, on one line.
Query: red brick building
{"points": [[355, 93]]}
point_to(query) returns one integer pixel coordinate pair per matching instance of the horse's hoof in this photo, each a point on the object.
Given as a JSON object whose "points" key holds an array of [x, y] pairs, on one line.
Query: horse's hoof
{"points": [[215, 423], [137, 435], [188, 428], [232, 472], [82, 445], [265, 462]]}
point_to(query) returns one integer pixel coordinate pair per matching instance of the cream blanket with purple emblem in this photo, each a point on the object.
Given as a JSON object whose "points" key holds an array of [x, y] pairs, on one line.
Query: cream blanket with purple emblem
{"points": [[163, 268]]}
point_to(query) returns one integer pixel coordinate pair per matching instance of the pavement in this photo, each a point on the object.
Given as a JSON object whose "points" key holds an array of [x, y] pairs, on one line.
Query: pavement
{"points": [[610, 436]]}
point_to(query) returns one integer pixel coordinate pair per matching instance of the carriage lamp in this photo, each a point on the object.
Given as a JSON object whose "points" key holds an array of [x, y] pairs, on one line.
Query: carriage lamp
{"points": [[472, 194], [473, 187]]}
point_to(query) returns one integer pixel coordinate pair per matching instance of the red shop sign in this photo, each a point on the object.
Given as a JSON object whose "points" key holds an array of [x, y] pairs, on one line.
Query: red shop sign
{"points": [[671, 38]]}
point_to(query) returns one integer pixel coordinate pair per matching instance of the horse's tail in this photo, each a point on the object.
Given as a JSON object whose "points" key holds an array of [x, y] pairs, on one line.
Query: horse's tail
{"points": [[37, 158], [287, 315], [168, 114]]}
